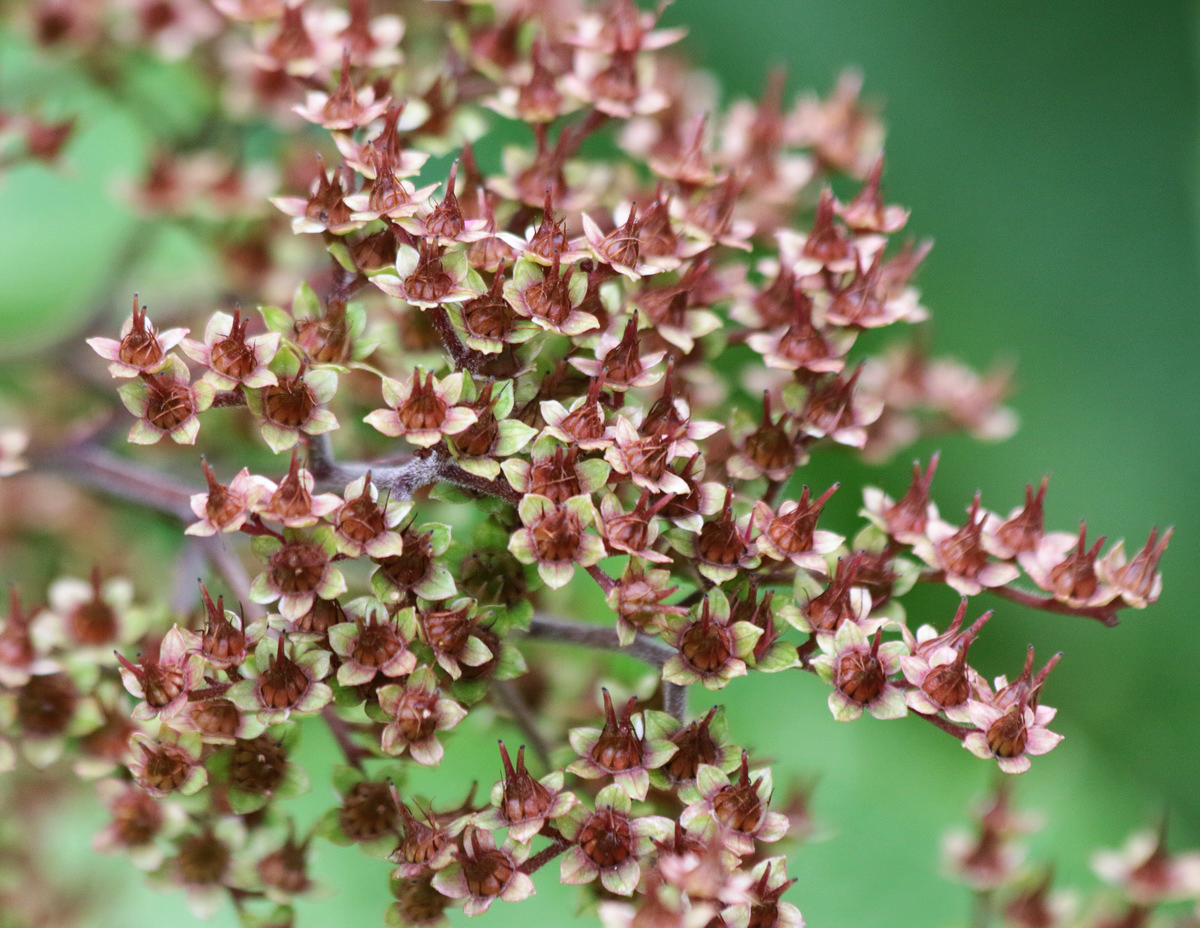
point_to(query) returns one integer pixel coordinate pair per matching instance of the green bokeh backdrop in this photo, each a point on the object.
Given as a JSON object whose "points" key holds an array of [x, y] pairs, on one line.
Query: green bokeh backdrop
{"points": [[1050, 150]]}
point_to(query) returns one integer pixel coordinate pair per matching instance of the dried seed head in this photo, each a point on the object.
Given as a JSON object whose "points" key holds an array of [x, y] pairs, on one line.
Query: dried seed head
{"points": [[792, 532], [323, 615], [479, 437], [524, 797], [422, 839], [165, 766], [217, 718], [429, 280], [707, 645], [92, 622], [326, 340], [298, 566], [361, 519], [139, 346], [721, 541], [223, 643], [490, 315], [607, 838], [694, 745], [446, 219], [292, 498], [487, 870], [45, 704], [203, 859], [286, 869], [860, 675], [168, 402], [257, 765], [557, 535], [231, 355], [1075, 577], [738, 806], [137, 817], [911, 513], [368, 812], [376, 643], [827, 611], [283, 683], [963, 552], [1007, 735], [417, 902], [417, 714], [770, 446], [424, 408], [554, 476], [409, 568], [619, 746], [290, 402]]}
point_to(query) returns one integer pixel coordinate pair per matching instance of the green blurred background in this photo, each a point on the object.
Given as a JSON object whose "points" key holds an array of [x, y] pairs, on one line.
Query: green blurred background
{"points": [[1050, 151]]}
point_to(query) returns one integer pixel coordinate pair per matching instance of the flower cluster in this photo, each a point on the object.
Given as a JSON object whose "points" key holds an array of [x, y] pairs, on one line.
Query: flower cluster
{"points": [[518, 366]]}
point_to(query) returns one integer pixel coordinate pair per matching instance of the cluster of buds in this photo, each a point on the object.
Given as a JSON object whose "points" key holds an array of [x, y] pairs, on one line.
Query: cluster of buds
{"points": [[519, 368]]}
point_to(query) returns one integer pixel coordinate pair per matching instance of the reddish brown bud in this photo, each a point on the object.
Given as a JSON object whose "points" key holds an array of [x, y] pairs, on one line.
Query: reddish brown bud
{"points": [[524, 797]]}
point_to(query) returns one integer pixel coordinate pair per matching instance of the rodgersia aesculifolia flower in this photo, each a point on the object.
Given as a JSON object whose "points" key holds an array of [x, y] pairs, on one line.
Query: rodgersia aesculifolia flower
{"points": [[520, 361]]}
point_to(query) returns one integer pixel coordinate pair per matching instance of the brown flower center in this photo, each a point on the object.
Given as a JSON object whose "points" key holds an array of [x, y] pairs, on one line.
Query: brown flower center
{"points": [[298, 567], [861, 677], [607, 838], [368, 812], [289, 403], [257, 765], [46, 703]]}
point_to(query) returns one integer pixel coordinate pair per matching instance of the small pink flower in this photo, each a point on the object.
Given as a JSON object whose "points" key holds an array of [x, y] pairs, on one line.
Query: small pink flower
{"points": [[555, 538], [140, 350], [164, 681], [1136, 581], [294, 405], [732, 811], [166, 403], [1064, 566], [418, 712], [610, 842], [1147, 872], [292, 502], [422, 411], [362, 526], [522, 804], [231, 357], [861, 672], [621, 750], [961, 554], [299, 569], [482, 872], [226, 508], [1011, 735]]}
